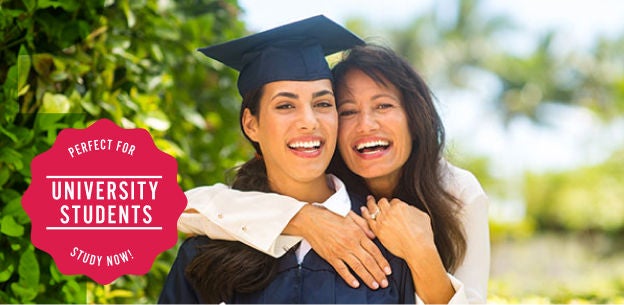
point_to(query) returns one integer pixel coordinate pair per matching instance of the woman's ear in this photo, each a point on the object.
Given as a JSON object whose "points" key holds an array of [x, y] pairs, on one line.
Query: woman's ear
{"points": [[250, 125]]}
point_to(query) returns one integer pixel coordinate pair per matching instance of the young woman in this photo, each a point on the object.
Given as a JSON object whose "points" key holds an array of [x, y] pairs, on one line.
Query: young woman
{"points": [[427, 211], [291, 120]]}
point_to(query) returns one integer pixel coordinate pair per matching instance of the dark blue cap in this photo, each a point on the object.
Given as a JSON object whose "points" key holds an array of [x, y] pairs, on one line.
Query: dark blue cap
{"points": [[295, 51]]}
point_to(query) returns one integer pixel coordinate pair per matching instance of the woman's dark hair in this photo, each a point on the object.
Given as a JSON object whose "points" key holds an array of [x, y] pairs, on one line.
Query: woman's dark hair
{"points": [[420, 183], [223, 268]]}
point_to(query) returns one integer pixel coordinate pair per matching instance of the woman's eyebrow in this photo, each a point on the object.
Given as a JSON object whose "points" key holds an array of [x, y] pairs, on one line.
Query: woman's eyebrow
{"points": [[321, 93], [285, 94], [295, 96], [382, 95]]}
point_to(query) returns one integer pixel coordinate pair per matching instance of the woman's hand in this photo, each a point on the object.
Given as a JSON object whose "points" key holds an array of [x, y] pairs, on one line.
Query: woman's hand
{"points": [[406, 232], [342, 242], [398, 225]]}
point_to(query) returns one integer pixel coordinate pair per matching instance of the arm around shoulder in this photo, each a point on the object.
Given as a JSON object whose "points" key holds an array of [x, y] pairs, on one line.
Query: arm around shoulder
{"points": [[254, 218]]}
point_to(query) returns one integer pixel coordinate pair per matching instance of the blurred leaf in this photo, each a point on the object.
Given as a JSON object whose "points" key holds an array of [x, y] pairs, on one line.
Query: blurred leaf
{"points": [[55, 103], [9, 227], [23, 67], [120, 293], [23, 90], [8, 134], [28, 270], [24, 293], [49, 3], [10, 84], [55, 274], [9, 155], [129, 14], [30, 4], [13, 207], [4, 176], [169, 148], [7, 267], [59, 76], [43, 63], [46, 121], [157, 120]]}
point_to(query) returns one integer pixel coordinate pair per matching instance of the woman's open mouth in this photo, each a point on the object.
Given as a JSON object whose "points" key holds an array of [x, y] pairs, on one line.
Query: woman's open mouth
{"points": [[372, 147], [306, 148]]}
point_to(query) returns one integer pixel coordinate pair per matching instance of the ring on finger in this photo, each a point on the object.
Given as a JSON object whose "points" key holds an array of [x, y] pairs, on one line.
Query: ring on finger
{"points": [[374, 215]]}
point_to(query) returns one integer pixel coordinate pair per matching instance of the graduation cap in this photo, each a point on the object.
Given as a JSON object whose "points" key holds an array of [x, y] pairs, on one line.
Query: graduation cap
{"points": [[295, 51]]}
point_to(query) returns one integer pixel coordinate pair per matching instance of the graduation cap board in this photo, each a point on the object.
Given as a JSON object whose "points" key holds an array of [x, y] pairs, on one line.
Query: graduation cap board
{"points": [[295, 51]]}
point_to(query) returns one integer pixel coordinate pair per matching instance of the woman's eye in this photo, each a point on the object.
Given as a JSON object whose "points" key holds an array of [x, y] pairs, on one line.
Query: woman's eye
{"points": [[385, 106], [324, 104], [285, 106], [346, 112]]}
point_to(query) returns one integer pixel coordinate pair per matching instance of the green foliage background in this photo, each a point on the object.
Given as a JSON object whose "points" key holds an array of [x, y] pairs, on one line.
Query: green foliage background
{"points": [[67, 63], [64, 64]]}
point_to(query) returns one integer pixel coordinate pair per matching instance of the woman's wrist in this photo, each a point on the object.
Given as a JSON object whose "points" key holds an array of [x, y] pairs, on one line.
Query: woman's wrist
{"points": [[298, 224], [430, 277]]}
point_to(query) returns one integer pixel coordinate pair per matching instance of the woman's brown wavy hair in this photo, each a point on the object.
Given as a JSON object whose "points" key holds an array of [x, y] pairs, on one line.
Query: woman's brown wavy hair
{"points": [[421, 178]]}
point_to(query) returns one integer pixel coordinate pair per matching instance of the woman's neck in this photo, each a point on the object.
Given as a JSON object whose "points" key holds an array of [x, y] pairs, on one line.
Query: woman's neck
{"points": [[317, 190], [382, 187]]}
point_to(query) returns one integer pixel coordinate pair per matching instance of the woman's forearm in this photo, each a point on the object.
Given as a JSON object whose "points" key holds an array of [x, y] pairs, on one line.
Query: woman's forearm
{"points": [[431, 281]]}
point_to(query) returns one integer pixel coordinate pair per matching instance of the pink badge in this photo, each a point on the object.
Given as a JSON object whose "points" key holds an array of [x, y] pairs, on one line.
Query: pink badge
{"points": [[104, 201]]}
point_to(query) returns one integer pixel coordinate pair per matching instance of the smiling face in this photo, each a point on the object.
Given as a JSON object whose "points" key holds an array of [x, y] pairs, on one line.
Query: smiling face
{"points": [[374, 138], [296, 128]]}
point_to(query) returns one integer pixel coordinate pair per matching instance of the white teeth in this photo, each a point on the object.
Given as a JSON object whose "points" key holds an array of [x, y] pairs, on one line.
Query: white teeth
{"points": [[306, 144], [372, 144]]}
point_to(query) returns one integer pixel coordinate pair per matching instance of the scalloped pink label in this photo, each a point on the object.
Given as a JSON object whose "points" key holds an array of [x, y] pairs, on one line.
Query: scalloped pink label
{"points": [[104, 201]]}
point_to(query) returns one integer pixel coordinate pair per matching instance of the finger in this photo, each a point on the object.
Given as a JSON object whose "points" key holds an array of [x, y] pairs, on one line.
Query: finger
{"points": [[369, 261], [362, 223], [371, 204], [372, 224], [344, 273], [365, 212], [397, 202], [383, 204], [355, 263], [380, 261]]}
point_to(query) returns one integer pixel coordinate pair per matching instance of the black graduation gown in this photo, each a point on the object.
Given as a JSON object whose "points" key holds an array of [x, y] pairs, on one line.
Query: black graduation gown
{"points": [[312, 281]]}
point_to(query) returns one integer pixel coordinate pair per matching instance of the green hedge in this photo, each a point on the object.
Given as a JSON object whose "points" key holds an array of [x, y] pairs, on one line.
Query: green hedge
{"points": [[587, 199], [67, 63]]}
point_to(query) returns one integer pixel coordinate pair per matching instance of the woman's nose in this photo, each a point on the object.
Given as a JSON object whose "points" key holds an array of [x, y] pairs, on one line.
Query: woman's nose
{"points": [[307, 119], [366, 122]]}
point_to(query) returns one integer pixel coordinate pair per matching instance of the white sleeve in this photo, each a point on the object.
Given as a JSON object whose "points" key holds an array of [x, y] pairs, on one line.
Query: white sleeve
{"points": [[475, 270], [470, 280], [254, 218], [471, 277], [459, 297]]}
